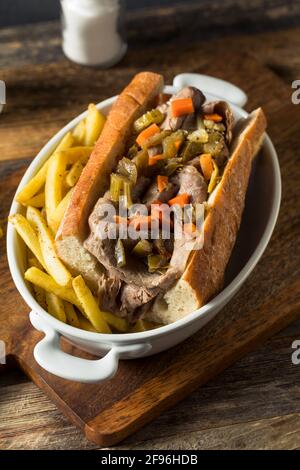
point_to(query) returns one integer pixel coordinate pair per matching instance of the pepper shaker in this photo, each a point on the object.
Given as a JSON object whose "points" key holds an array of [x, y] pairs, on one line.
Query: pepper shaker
{"points": [[93, 31]]}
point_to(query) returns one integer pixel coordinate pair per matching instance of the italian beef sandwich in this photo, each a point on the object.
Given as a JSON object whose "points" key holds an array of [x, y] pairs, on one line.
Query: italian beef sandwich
{"points": [[155, 152]]}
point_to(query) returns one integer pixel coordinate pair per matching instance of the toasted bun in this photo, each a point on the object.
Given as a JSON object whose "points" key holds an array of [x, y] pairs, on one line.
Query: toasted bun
{"points": [[204, 274], [94, 180]]}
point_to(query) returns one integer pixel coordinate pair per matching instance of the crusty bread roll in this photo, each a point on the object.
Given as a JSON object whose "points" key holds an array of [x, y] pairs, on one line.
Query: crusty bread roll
{"points": [[94, 180], [204, 273]]}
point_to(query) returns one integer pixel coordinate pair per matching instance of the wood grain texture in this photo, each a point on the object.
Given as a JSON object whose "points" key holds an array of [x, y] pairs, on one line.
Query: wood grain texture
{"points": [[256, 393], [256, 402], [205, 357]]}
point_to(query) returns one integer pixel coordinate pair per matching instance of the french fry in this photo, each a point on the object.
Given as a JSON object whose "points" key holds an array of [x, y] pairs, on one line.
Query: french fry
{"points": [[66, 142], [94, 125], [40, 296], [39, 293], [53, 264], [79, 133], [60, 210], [89, 305], [55, 307], [33, 261], [71, 315], [27, 233], [36, 183], [75, 154], [86, 325], [117, 323], [143, 325], [138, 327], [46, 282], [36, 201], [43, 212], [74, 174], [54, 184]]}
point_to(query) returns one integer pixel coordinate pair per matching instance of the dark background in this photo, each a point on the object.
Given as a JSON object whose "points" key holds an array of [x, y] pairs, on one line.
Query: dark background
{"points": [[13, 12], [209, 18]]}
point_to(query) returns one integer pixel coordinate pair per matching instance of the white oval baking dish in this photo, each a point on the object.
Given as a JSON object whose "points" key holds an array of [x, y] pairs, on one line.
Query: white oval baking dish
{"points": [[256, 229]]}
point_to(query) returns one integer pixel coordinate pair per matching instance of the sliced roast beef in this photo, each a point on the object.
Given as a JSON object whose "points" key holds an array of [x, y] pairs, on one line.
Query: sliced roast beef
{"points": [[193, 183], [108, 289], [133, 297], [186, 121], [153, 194], [164, 247], [135, 271], [195, 162]]}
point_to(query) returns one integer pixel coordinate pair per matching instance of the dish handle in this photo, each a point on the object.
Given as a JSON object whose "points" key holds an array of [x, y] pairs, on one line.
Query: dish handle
{"points": [[50, 357], [215, 86]]}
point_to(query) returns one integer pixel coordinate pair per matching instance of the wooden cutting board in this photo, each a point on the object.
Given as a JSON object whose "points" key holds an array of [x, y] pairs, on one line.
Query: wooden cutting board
{"points": [[41, 100]]}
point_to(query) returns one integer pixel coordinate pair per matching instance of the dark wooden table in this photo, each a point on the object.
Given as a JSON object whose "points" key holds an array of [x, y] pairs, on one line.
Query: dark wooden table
{"points": [[255, 403]]}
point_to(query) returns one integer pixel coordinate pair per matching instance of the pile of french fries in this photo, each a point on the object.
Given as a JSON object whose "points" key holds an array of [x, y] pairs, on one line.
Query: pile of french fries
{"points": [[46, 198]]}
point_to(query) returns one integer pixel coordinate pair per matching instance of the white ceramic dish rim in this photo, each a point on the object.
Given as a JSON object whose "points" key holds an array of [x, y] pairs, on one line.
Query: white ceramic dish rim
{"points": [[125, 338]]}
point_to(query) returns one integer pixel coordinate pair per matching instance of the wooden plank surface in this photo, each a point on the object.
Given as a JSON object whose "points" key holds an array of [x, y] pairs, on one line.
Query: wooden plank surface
{"points": [[254, 404], [225, 416]]}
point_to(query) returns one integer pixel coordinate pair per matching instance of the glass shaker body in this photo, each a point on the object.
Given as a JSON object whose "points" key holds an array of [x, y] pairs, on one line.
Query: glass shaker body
{"points": [[93, 31]]}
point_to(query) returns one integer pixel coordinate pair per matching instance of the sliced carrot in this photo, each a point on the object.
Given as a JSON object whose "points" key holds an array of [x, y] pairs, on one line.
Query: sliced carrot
{"points": [[182, 106], [213, 117], [146, 134], [162, 182], [120, 220], [177, 144], [189, 228], [207, 166], [153, 160], [181, 200]]}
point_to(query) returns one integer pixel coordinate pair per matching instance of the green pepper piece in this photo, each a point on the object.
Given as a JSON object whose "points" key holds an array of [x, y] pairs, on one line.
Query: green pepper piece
{"points": [[156, 262], [191, 150], [141, 160], [200, 123], [200, 135], [214, 148], [142, 249], [128, 169], [172, 165], [208, 123], [116, 187], [133, 150], [172, 143], [156, 139], [127, 190], [213, 179], [219, 127], [120, 186], [151, 117]]}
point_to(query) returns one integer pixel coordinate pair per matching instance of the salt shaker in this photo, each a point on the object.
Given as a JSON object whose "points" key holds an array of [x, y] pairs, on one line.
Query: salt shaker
{"points": [[93, 31], [2, 94]]}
